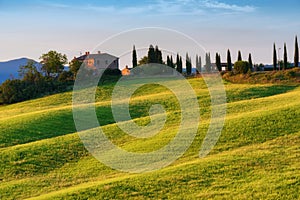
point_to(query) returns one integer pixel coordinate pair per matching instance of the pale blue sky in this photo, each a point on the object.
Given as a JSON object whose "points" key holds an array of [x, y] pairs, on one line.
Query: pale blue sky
{"points": [[31, 28]]}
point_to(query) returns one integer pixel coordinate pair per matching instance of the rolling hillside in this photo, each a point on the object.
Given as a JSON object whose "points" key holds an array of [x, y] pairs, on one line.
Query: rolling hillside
{"points": [[256, 157]]}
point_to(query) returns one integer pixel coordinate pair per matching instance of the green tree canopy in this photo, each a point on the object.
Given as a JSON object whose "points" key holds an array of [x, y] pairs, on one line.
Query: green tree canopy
{"points": [[74, 66], [143, 61], [29, 72], [53, 62], [151, 55], [241, 67]]}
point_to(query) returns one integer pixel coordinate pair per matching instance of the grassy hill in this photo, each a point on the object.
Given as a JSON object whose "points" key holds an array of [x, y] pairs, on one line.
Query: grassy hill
{"points": [[256, 157]]}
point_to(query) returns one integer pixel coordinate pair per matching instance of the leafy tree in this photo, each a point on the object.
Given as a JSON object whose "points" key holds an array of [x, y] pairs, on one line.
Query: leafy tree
{"points": [[151, 55], [11, 91], [285, 60], [53, 63], [250, 62], [66, 76], [241, 67], [240, 56], [74, 66], [134, 57], [30, 73], [218, 62], [229, 64], [274, 57], [261, 66], [296, 56], [144, 60]]}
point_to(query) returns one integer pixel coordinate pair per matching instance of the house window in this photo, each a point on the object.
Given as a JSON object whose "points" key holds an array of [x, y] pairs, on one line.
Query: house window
{"points": [[106, 62], [90, 62], [98, 62]]}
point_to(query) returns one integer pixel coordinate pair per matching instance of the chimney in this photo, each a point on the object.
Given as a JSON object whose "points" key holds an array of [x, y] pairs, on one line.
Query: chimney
{"points": [[99, 52]]}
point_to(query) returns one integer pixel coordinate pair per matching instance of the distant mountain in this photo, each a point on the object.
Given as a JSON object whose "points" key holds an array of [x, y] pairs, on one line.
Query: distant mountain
{"points": [[9, 69]]}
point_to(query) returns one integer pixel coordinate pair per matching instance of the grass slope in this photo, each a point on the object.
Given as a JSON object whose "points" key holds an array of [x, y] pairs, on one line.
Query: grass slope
{"points": [[257, 155]]}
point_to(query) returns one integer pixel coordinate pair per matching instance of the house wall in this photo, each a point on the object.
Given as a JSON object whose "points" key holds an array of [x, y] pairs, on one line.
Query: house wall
{"points": [[102, 61], [125, 72]]}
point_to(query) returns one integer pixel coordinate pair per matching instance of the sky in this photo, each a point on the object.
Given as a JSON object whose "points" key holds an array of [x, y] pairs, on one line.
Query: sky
{"points": [[31, 28]]}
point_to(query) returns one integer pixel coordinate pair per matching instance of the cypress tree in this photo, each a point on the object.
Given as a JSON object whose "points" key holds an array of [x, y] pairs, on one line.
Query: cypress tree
{"points": [[274, 57], [250, 62], [168, 61], [134, 59], [158, 55], [177, 62], [240, 56], [229, 64], [171, 62], [218, 62], [285, 60], [188, 65], [200, 64], [197, 63], [179, 67], [151, 55], [296, 57], [208, 62]]}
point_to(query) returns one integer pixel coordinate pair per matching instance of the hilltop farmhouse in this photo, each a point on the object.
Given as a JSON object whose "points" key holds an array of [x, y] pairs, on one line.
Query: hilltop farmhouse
{"points": [[99, 60]]}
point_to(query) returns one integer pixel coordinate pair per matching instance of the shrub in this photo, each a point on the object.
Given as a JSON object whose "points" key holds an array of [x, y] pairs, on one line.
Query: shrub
{"points": [[112, 72], [241, 67]]}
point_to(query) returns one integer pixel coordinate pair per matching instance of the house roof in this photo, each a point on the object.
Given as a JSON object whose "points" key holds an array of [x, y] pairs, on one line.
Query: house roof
{"points": [[96, 55], [127, 68]]}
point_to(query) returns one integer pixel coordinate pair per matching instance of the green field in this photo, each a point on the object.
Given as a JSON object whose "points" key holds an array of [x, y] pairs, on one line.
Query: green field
{"points": [[257, 155]]}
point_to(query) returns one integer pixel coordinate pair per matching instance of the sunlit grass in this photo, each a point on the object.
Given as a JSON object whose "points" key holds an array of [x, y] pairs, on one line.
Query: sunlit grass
{"points": [[257, 155]]}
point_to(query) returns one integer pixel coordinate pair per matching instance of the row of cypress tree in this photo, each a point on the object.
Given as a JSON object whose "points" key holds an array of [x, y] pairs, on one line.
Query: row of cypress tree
{"points": [[277, 62], [155, 56]]}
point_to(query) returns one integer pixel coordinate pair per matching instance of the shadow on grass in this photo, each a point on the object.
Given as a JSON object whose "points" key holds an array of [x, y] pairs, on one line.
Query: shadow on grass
{"points": [[257, 92]]}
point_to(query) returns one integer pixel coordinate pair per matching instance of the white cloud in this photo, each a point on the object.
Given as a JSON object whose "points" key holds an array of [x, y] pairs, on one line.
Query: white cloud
{"points": [[233, 7], [163, 7]]}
